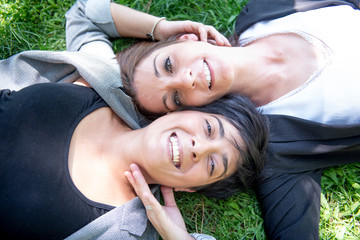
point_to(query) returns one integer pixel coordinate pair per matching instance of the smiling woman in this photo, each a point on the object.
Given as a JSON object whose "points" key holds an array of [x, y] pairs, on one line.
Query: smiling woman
{"points": [[170, 78], [71, 156]]}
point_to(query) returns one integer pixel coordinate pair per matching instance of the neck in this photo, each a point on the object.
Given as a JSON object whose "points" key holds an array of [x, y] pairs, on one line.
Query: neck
{"points": [[129, 150], [97, 158], [256, 69], [272, 66]]}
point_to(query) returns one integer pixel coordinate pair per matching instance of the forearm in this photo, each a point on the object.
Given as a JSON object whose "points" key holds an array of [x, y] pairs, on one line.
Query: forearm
{"points": [[91, 23], [130, 22]]}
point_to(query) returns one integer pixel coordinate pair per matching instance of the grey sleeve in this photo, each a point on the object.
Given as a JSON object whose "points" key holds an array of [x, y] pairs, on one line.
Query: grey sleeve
{"points": [[89, 26]]}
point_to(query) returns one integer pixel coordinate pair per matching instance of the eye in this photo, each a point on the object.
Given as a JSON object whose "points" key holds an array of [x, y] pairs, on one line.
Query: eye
{"points": [[208, 126], [212, 166], [177, 99], [167, 65]]}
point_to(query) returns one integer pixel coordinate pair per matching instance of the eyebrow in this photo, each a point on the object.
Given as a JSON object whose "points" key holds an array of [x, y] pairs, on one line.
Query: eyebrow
{"points": [[157, 74], [221, 126], [224, 157]]}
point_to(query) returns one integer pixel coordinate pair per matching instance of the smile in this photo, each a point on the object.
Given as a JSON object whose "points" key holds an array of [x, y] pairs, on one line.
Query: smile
{"points": [[207, 74], [174, 150]]}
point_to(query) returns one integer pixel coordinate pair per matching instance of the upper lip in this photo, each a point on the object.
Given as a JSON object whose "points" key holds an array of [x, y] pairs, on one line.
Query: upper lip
{"points": [[175, 150]]}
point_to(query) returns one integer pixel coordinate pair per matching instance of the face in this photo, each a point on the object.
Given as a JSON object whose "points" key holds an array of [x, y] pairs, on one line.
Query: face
{"points": [[189, 149], [191, 73]]}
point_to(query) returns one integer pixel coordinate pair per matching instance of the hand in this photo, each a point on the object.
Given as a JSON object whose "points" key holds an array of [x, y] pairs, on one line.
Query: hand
{"points": [[206, 33], [167, 219]]}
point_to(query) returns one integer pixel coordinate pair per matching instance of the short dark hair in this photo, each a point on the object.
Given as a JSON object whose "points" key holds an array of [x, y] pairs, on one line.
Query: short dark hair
{"points": [[252, 126]]}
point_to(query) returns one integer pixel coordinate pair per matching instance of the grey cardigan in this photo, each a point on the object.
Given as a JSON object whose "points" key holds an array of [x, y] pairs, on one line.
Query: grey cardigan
{"points": [[93, 59], [33, 67]]}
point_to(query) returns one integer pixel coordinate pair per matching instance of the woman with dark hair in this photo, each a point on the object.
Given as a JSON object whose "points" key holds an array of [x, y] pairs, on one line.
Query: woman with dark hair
{"points": [[287, 177], [290, 59], [32, 67], [64, 154]]}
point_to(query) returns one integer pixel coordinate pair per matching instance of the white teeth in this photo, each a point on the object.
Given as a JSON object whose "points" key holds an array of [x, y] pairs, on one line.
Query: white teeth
{"points": [[207, 74], [174, 149]]}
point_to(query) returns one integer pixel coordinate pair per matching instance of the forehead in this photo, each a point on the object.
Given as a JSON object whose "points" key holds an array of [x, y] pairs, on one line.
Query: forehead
{"points": [[230, 136], [180, 47]]}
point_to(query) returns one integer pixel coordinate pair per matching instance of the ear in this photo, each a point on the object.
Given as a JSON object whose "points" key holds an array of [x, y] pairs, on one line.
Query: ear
{"points": [[190, 36], [184, 190]]}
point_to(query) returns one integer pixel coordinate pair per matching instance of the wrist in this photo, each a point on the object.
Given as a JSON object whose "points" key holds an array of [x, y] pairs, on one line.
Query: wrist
{"points": [[151, 35]]}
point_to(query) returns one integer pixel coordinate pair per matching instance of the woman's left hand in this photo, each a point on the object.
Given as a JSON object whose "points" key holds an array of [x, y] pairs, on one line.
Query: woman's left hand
{"points": [[206, 33], [166, 219]]}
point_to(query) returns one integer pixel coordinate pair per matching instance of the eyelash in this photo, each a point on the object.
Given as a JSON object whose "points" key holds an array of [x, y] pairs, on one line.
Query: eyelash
{"points": [[212, 163], [177, 99], [167, 65], [208, 127], [168, 68]]}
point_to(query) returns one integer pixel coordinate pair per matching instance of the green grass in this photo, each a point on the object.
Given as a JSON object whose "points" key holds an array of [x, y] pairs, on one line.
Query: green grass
{"points": [[39, 25]]}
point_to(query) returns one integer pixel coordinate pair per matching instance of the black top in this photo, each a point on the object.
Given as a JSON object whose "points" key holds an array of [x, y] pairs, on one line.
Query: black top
{"points": [[38, 199]]}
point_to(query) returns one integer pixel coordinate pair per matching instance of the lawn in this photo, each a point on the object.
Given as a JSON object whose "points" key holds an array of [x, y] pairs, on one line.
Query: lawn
{"points": [[39, 25]]}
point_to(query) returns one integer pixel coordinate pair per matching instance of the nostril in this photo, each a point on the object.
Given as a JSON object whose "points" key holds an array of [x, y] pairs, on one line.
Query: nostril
{"points": [[194, 155], [193, 142]]}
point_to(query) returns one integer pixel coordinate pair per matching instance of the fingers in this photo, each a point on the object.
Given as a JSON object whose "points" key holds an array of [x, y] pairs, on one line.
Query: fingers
{"points": [[168, 195], [167, 220], [208, 33], [213, 34], [140, 186], [201, 30], [204, 32]]}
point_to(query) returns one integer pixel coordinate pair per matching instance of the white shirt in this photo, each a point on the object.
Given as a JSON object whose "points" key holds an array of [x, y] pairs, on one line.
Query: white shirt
{"points": [[332, 94]]}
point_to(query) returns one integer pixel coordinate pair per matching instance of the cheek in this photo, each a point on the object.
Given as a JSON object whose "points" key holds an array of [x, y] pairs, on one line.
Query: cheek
{"points": [[196, 177], [150, 98]]}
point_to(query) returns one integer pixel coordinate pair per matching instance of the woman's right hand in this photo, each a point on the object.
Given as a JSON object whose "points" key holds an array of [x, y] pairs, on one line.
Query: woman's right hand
{"points": [[206, 33], [166, 219]]}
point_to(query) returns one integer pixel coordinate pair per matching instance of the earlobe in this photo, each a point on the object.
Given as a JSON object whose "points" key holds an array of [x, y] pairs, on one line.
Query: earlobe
{"points": [[184, 190], [190, 36]]}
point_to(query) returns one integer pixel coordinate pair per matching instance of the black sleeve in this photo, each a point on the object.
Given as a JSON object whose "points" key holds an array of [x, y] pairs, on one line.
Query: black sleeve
{"points": [[291, 205], [288, 188], [260, 10], [297, 145]]}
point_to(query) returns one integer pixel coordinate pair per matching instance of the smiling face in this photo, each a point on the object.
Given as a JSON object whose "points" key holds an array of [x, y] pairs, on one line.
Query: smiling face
{"points": [[188, 149], [188, 73]]}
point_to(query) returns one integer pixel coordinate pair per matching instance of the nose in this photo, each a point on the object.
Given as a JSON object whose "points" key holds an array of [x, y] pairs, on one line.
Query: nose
{"points": [[202, 148], [185, 79]]}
